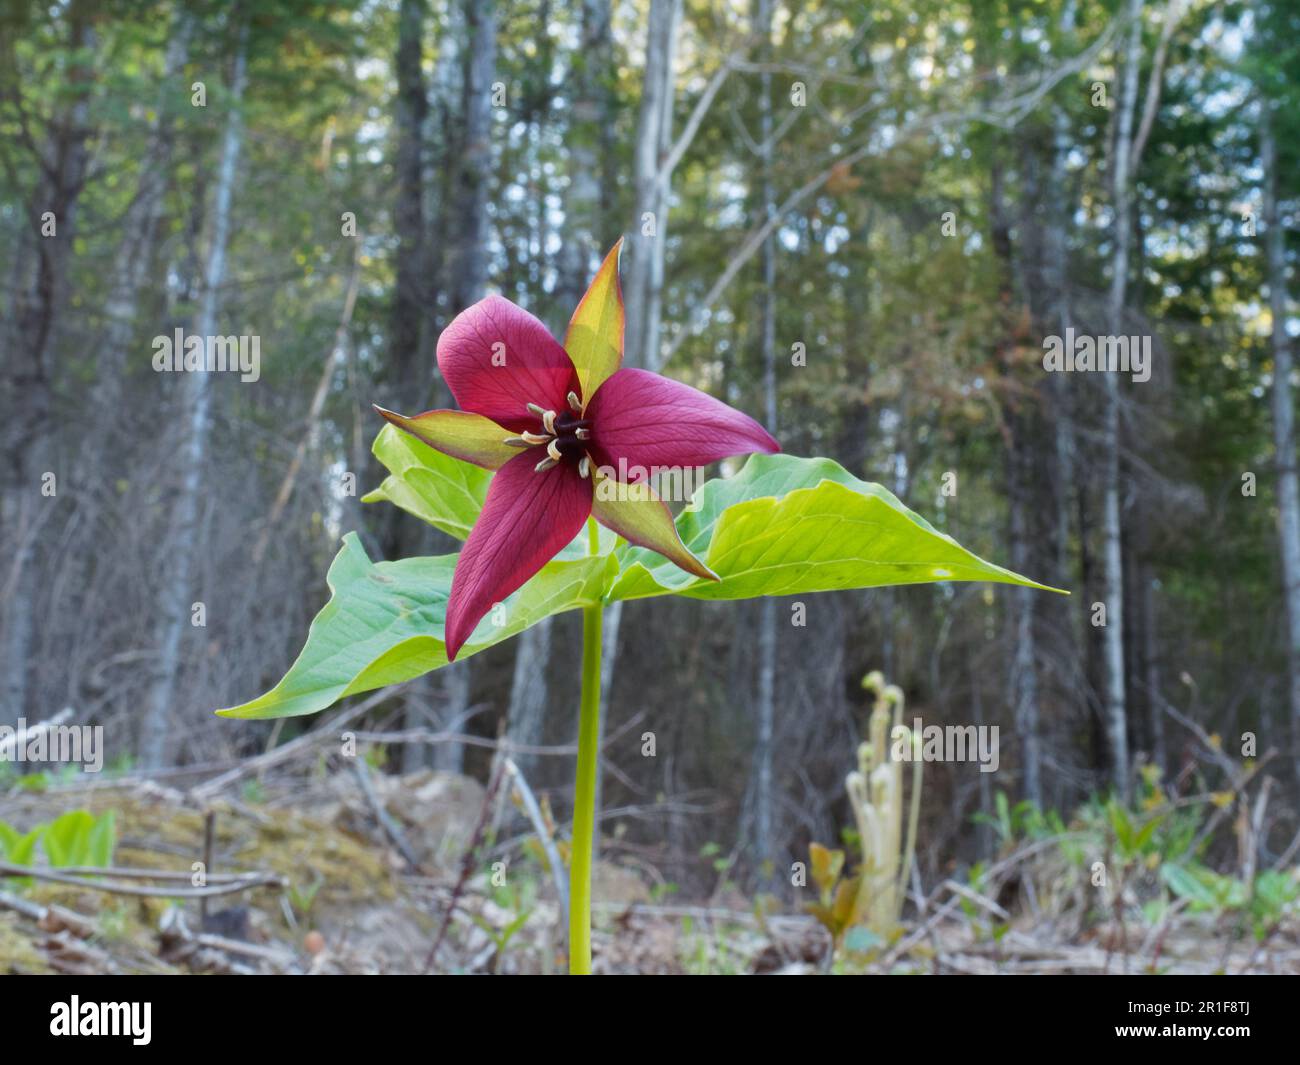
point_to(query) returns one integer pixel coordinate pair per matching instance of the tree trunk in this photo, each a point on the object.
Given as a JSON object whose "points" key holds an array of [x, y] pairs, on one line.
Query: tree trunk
{"points": [[1025, 665], [476, 167], [765, 711], [1057, 241], [473, 182], [140, 227], [177, 592], [644, 250], [526, 714], [407, 371], [1111, 436], [28, 443], [586, 233], [1151, 664], [1284, 444], [410, 295]]}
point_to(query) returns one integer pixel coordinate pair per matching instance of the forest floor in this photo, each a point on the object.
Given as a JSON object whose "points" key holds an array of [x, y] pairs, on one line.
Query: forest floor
{"points": [[355, 871]]}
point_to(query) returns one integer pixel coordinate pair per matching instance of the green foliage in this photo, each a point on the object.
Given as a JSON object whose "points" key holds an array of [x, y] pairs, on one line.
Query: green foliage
{"points": [[783, 525], [901, 321], [436, 488], [303, 898], [516, 898], [78, 838], [1023, 820], [1154, 852], [18, 849], [836, 897], [1134, 836], [786, 525], [74, 839], [1271, 897], [384, 623], [501, 936], [709, 948], [252, 792]]}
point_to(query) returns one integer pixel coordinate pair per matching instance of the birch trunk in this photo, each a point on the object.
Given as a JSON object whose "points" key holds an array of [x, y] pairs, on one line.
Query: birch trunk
{"points": [[178, 589], [645, 246], [765, 711], [1284, 444], [1111, 436], [1058, 273]]}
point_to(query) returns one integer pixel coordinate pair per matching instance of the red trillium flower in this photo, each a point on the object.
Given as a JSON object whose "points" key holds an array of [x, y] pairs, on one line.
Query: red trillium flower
{"points": [[557, 423]]}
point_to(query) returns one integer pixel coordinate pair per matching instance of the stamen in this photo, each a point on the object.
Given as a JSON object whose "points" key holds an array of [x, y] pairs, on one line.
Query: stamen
{"points": [[563, 433]]}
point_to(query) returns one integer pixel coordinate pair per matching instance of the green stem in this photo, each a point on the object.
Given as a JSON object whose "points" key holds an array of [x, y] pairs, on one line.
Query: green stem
{"points": [[584, 796]]}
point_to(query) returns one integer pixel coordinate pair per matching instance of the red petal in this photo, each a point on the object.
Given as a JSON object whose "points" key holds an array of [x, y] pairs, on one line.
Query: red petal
{"points": [[497, 358], [527, 518], [643, 420]]}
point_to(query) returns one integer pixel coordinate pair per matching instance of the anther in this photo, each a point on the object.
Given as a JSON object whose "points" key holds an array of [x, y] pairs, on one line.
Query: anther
{"points": [[575, 402], [582, 434], [548, 420], [539, 411], [584, 466], [516, 441], [544, 465], [553, 449], [533, 438]]}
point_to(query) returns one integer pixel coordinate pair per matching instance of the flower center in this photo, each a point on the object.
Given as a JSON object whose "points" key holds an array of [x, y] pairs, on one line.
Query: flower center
{"points": [[566, 436]]}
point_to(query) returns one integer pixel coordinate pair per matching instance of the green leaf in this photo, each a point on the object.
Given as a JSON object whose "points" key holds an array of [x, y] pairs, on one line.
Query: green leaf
{"points": [[1275, 889], [101, 840], [8, 837], [786, 525], [1147, 832], [17, 848], [1005, 828], [1193, 887], [782, 525], [439, 489], [1121, 824], [384, 623], [66, 840]]}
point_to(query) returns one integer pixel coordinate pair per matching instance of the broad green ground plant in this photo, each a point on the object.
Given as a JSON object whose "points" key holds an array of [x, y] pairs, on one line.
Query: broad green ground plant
{"points": [[76, 839], [545, 472]]}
